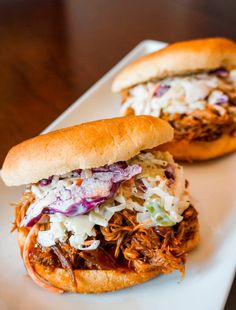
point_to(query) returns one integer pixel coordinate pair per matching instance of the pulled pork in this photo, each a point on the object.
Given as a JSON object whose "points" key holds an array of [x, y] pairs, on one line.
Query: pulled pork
{"points": [[201, 125], [21, 207], [125, 244]]}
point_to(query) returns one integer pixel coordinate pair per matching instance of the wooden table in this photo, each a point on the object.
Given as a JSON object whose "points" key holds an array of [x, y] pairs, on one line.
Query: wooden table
{"points": [[52, 51]]}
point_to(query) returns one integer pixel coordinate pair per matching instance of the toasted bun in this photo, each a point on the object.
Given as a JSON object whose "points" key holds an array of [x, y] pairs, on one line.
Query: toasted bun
{"points": [[93, 281], [83, 146], [178, 59], [96, 281], [184, 150]]}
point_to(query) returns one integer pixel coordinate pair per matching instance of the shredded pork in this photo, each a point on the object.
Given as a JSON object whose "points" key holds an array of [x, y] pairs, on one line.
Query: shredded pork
{"points": [[201, 125], [127, 245], [21, 207]]}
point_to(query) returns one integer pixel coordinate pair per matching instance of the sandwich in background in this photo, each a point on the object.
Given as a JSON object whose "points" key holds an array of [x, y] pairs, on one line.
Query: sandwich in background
{"points": [[192, 85]]}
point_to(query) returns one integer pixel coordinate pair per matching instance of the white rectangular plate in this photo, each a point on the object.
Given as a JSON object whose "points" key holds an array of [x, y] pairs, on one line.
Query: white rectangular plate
{"points": [[210, 268]]}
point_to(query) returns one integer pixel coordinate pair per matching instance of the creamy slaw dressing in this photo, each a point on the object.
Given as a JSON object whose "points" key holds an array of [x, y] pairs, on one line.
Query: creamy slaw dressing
{"points": [[163, 200], [184, 95]]}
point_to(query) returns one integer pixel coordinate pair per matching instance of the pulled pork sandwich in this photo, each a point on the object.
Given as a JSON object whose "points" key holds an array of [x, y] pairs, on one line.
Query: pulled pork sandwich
{"points": [[192, 85], [102, 209]]}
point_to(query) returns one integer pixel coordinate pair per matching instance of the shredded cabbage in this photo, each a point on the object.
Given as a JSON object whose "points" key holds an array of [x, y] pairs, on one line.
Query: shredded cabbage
{"points": [[157, 193], [79, 195], [158, 214], [181, 95]]}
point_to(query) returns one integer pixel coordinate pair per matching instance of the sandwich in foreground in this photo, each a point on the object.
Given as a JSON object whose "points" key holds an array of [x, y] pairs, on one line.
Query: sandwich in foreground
{"points": [[192, 85], [102, 209]]}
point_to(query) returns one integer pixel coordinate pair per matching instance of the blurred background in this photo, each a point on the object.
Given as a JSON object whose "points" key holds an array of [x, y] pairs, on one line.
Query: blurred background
{"points": [[52, 51]]}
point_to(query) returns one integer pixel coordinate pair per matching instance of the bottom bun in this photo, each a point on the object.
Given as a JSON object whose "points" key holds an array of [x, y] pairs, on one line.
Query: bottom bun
{"points": [[185, 150], [93, 281], [96, 281]]}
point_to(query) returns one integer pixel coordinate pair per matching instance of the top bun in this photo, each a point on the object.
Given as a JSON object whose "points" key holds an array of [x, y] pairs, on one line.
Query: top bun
{"points": [[177, 59], [83, 146]]}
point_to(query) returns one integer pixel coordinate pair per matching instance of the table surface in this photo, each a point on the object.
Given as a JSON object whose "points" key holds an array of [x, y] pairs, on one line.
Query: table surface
{"points": [[52, 51]]}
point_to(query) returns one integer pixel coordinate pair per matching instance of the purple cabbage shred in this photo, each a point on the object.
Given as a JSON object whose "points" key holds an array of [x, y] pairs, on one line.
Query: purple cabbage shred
{"points": [[162, 90], [222, 99], [221, 72], [170, 173], [45, 182], [114, 175]]}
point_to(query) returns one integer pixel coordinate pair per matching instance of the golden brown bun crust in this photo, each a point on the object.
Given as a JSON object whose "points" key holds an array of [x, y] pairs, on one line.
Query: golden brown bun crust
{"points": [[96, 281], [93, 281], [88, 145], [178, 59], [184, 150]]}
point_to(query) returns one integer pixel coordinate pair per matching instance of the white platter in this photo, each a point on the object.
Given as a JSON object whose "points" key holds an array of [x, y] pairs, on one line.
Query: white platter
{"points": [[211, 267]]}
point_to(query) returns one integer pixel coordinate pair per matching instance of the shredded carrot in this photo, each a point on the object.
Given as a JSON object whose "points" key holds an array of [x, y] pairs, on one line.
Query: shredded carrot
{"points": [[155, 88], [88, 242], [35, 277], [79, 182]]}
